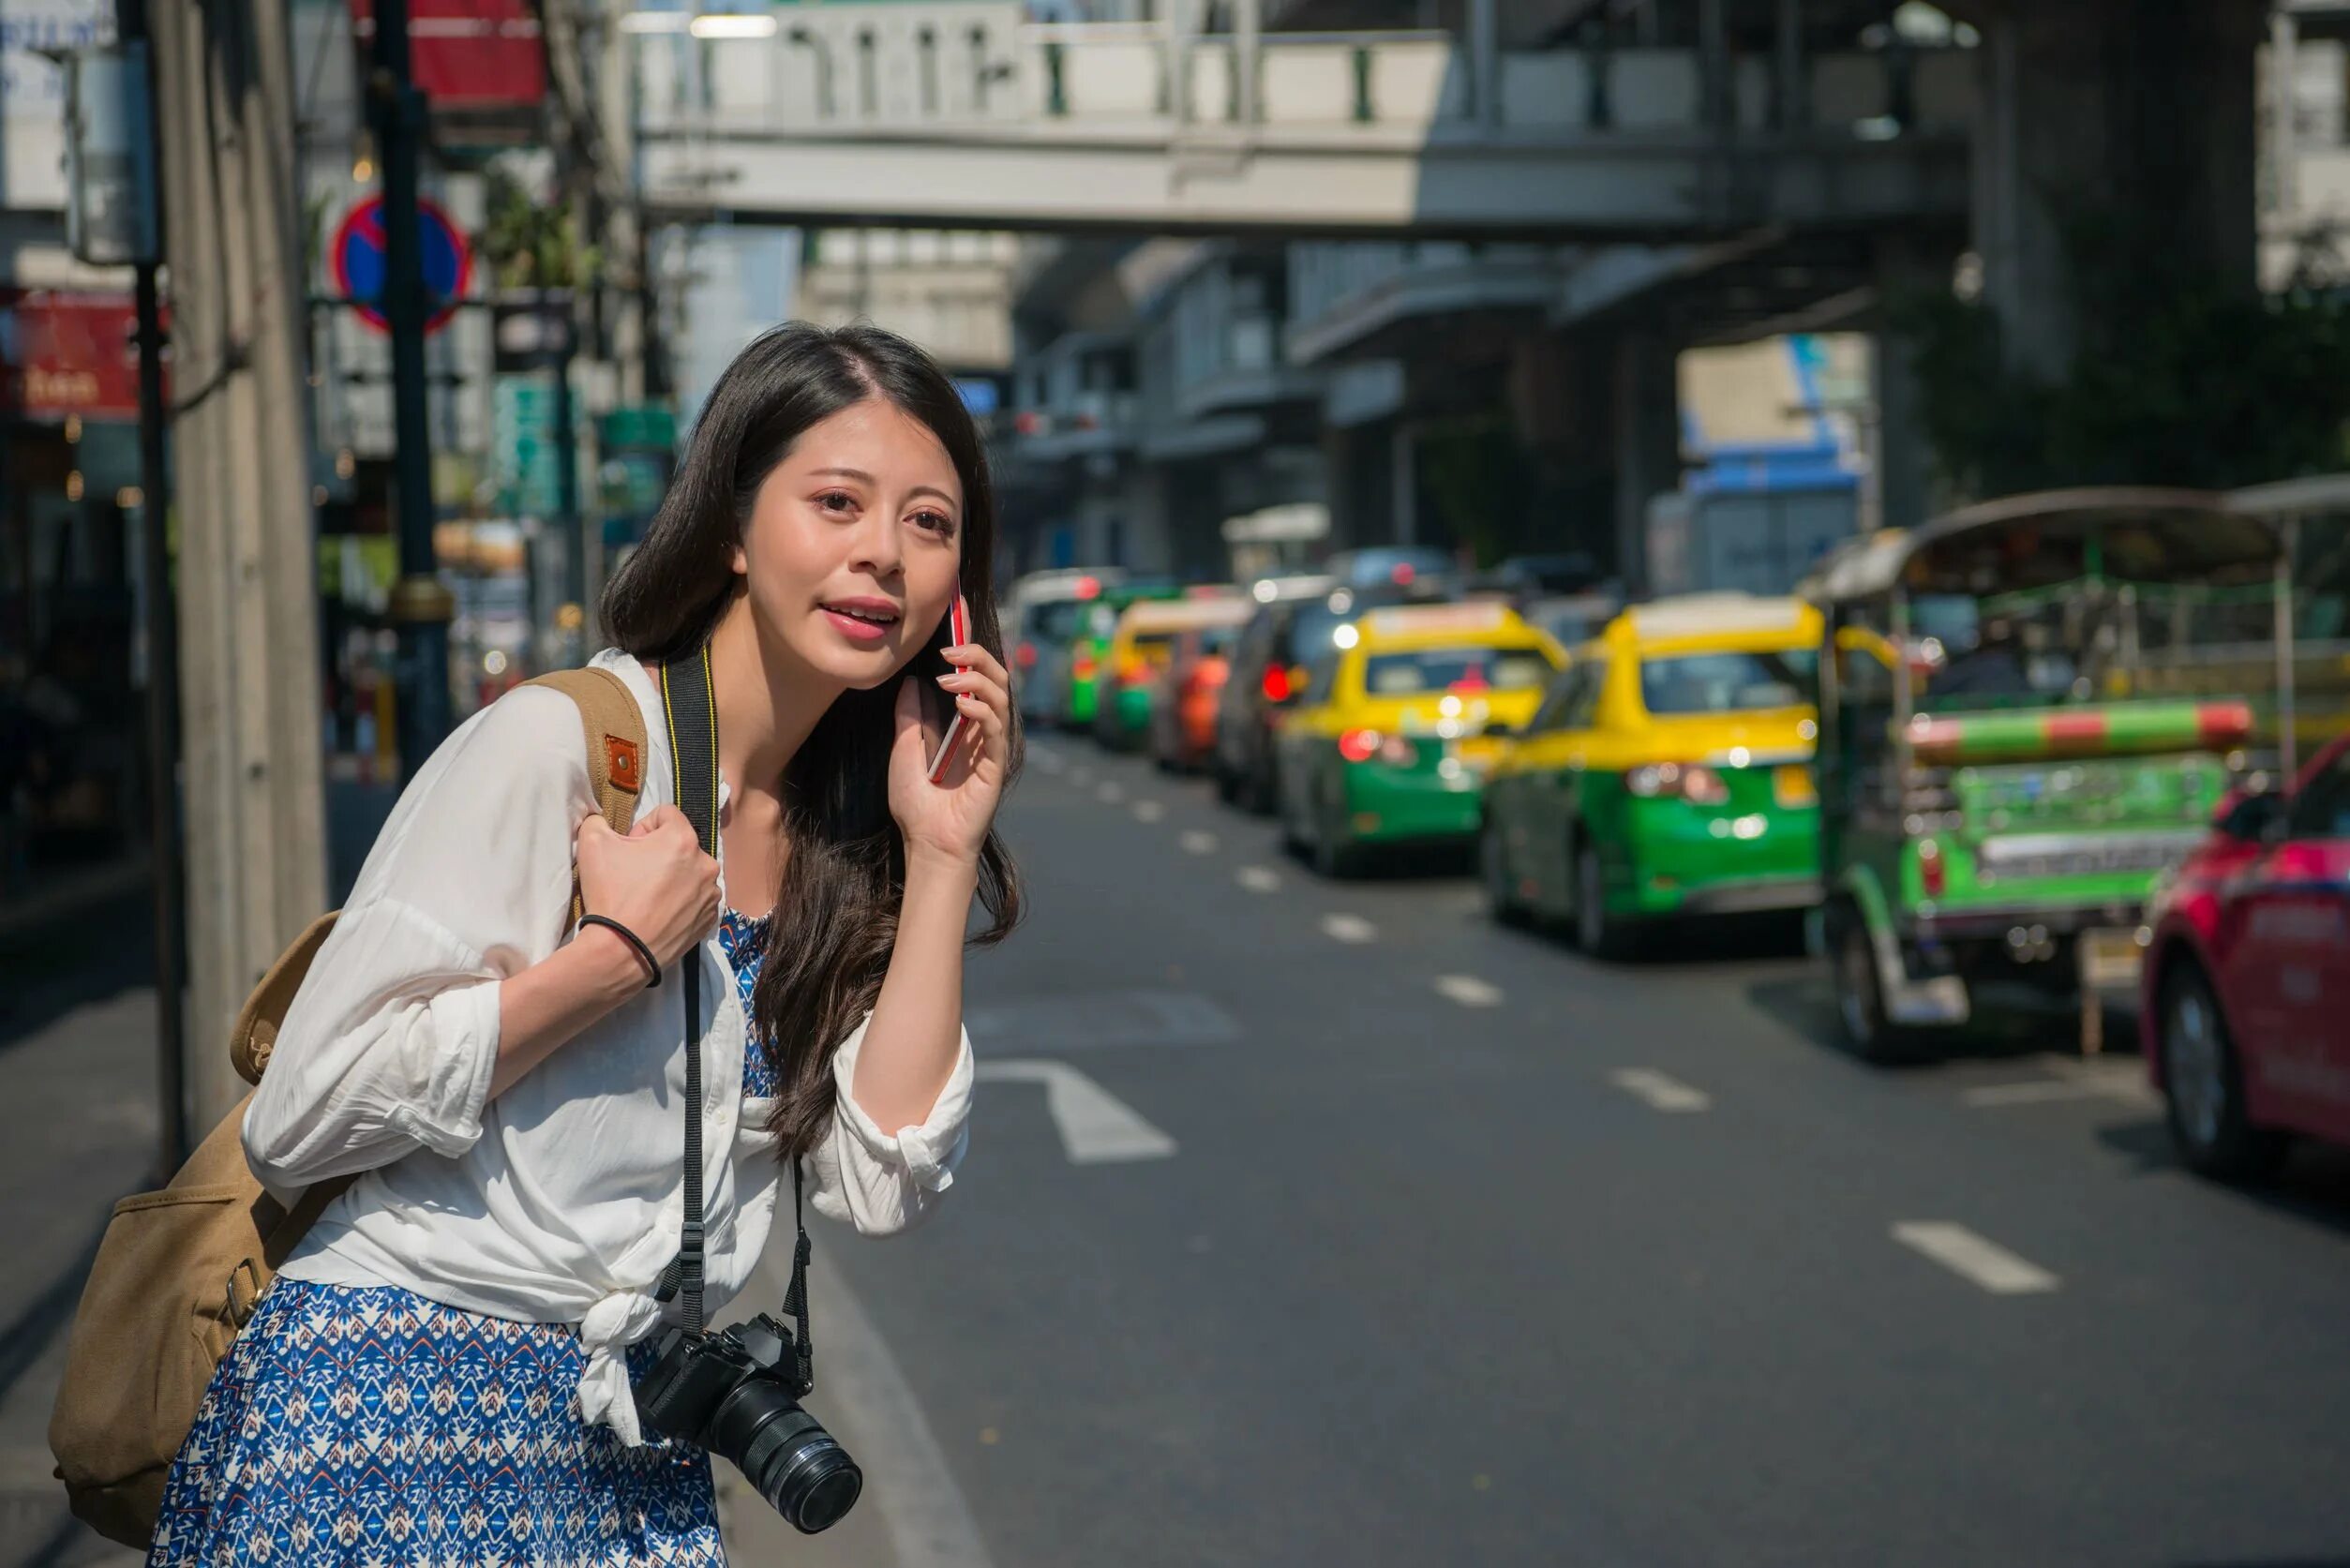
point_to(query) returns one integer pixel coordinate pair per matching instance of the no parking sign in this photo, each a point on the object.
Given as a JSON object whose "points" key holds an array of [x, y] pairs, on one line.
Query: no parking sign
{"points": [[356, 259]]}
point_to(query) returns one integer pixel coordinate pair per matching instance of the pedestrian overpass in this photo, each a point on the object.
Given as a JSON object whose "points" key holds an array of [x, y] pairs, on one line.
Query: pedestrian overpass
{"points": [[948, 116]]}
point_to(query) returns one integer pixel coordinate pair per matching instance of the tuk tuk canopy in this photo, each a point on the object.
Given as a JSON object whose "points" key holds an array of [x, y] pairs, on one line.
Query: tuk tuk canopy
{"points": [[2115, 534]]}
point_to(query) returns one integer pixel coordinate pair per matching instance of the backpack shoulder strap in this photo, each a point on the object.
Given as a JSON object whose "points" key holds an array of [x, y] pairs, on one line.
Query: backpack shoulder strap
{"points": [[614, 727]]}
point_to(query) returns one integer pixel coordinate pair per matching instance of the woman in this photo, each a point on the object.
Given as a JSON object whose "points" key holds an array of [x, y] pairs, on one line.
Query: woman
{"points": [[441, 1371]]}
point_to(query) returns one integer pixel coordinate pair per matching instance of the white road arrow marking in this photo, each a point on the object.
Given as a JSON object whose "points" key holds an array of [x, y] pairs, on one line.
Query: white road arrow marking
{"points": [[1111, 792], [1350, 929], [1969, 1256], [1096, 1126], [1257, 879], [1149, 810], [1660, 1090], [1469, 991], [1198, 842]]}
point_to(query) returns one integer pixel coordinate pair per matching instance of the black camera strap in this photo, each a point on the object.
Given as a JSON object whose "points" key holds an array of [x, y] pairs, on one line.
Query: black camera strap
{"points": [[691, 709]]}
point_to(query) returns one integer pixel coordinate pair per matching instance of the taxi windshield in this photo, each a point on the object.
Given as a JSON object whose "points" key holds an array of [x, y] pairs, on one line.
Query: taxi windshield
{"points": [[1729, 681], [1455, 669]]}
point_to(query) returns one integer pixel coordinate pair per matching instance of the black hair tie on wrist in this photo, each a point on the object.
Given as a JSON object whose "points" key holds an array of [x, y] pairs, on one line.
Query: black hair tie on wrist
{"points": [[630, 937]]}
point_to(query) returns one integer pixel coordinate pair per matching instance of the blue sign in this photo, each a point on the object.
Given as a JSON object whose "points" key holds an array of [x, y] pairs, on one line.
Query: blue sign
{"points": [[356, 260]]}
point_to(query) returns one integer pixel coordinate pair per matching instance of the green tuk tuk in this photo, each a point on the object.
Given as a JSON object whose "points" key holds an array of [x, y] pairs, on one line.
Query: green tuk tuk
{"points": [[2029, 709]]}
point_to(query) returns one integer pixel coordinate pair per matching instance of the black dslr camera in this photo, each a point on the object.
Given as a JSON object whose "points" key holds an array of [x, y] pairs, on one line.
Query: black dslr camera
{"points": [[737, 1393]]}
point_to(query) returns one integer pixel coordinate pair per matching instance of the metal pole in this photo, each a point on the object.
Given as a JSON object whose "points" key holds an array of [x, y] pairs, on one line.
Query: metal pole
{"points": [[420, 604], [572, 524], [162, 631], [2288, 743]]}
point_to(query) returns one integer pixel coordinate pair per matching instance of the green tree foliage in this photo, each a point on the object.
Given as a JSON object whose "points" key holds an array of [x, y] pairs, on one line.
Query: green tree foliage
{"points": [[531, 244], [2178, 378]]}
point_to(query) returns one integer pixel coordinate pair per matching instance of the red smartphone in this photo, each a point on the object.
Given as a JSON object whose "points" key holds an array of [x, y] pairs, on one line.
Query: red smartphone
{"points": [[958, 632]]}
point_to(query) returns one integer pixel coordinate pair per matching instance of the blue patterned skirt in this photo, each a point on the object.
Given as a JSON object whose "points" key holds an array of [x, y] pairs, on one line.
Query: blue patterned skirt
{"points": [[364, 1425]]}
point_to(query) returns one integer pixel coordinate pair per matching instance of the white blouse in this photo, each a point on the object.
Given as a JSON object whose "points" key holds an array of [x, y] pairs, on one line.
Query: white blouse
{"points": [[560, 1201]]}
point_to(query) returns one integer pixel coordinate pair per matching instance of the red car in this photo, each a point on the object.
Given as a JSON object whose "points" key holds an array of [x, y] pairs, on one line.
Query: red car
{"points": [[2245, 1023]]}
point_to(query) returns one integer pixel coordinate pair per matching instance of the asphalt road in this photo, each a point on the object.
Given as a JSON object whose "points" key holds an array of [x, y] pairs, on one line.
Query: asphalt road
{"points": [[1403, 1239]]}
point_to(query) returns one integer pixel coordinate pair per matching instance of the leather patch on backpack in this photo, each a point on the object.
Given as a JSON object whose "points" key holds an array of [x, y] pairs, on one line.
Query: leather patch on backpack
{"points": [[620, 762]]}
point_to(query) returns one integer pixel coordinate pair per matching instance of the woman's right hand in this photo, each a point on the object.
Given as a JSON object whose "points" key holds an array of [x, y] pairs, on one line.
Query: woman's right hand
{"points": [[656, 881]]}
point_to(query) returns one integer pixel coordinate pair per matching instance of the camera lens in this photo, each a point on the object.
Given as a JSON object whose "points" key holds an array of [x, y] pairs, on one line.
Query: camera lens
{"points": [[784, 1452]]}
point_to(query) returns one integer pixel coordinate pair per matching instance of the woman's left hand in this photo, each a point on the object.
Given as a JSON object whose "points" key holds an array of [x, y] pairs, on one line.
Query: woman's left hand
{"points": [[953, 816]]}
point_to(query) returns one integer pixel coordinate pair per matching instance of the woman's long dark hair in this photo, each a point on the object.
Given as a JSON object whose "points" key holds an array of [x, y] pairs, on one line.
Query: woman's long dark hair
{"points": [[836, 913]]}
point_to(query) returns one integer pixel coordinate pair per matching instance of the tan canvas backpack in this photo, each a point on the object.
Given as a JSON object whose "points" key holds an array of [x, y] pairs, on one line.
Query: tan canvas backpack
{"points": [[179, 1271]]}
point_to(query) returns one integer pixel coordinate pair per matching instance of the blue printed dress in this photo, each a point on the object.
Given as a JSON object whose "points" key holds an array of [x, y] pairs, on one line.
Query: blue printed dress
{"points": [[365, 1425]]}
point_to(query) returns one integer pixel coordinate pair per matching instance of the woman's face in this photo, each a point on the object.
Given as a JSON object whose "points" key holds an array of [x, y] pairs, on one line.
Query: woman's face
{"points": [[855, 543]]}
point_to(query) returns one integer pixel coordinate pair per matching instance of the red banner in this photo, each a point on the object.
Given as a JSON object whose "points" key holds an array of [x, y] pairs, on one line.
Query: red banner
{"points": [[468, 54], [70, 353]]}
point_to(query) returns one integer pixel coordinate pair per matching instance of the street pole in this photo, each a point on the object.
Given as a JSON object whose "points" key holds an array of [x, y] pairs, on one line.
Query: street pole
{"points": [[572, 523], [162, 632], [420, 604]]}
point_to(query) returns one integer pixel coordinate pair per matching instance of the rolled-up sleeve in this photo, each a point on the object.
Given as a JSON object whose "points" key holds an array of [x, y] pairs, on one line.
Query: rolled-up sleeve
{"points": [[880, 1181], [391, 1041]]}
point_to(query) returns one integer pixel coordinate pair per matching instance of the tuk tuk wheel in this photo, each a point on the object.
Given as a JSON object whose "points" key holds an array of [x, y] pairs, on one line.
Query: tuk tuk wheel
{"points": [[2203, 1088], [1501, 896], [1869, 1033], [1597, 933]]}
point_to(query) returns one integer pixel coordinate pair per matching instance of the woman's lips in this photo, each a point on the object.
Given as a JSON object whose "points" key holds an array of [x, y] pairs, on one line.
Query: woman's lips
{"points": [[864, 632]]}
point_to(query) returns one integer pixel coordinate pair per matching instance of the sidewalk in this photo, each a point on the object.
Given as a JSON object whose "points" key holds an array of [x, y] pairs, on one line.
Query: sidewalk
{"points": [[78, 1129]]}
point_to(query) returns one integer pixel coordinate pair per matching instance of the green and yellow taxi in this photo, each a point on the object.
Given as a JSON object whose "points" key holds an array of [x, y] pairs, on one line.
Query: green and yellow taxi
{"points": [[1140, 649], [1667, 772], [1089, 667], [1390, 742]]}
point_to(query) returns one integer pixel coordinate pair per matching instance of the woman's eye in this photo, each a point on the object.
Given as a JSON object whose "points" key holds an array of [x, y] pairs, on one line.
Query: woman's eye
{"points": [[938, 522], [836, 501]]}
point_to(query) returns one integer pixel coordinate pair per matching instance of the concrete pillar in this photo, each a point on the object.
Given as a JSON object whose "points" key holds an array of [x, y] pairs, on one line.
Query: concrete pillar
{"points": [[1248, 47], [1485, 62], [247, 567], [1647, 424], [1898, 491], [1403, 480], [1714, 64], [2122, 106], [1791, 97]]}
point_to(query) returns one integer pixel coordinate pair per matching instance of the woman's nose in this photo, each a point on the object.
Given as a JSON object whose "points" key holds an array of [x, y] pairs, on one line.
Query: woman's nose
{"points": [[877, 548]]}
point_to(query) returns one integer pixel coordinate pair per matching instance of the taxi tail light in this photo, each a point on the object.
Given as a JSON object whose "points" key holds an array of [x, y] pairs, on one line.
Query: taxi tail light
{"points": [[1674, 781], [1276, 687], [1362, 745], [1025, 655], [1933, 870], [1133, 672], [1082, 666], [1089, 588]]}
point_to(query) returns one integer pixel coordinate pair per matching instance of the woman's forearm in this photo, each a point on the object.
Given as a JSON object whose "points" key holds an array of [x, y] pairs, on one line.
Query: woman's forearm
{"points": [[545, 1006], [917, 1030]]}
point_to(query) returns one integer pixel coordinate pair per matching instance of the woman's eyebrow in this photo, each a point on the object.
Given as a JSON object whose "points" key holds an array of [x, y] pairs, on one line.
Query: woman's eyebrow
{"points": [[863, 477]]}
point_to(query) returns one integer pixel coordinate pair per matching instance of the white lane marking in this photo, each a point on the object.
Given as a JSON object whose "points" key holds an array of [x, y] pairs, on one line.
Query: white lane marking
{"points": [[1349, 928], [1149, 810], [2123, 1079], [1081, 776], [1096, 1126], [1047, 759], [1984, 1263], [1111, 792], [1197, 841], [1469, 991], [867, 1402], [1257, 879], [1662, 1091], [2030, 1093]]}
